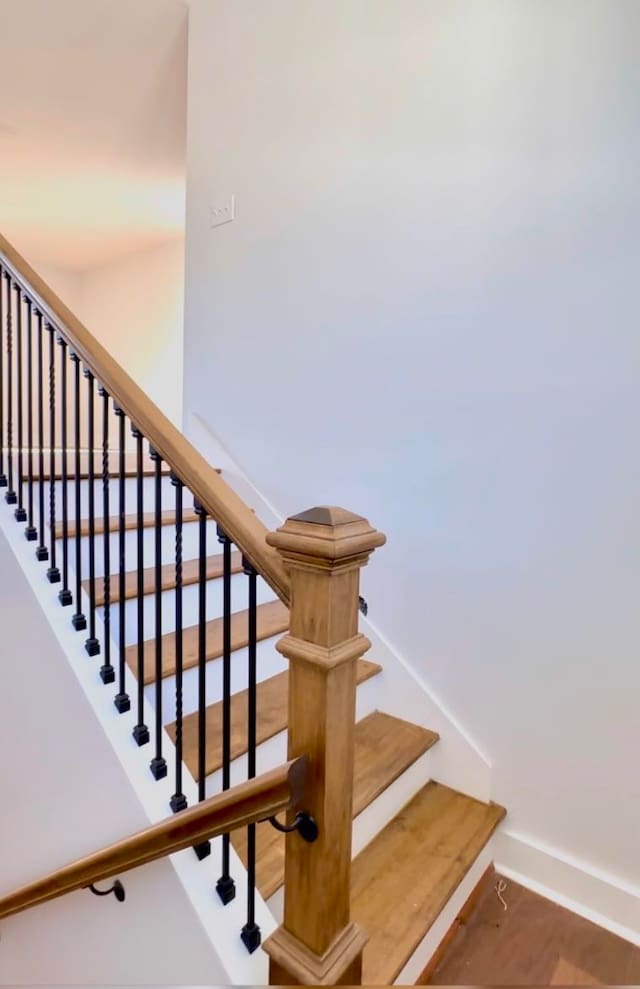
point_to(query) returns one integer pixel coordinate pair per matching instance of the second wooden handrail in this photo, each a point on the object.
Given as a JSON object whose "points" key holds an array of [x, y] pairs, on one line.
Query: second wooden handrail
{"points": [[262, 797], [221, 502]]}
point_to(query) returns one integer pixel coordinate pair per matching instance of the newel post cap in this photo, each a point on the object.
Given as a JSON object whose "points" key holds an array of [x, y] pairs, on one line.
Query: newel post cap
{"points": [[328, 534]]}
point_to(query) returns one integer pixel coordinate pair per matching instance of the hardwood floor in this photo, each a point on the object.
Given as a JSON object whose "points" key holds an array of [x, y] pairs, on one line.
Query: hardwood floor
{"points": [[533, 942]]}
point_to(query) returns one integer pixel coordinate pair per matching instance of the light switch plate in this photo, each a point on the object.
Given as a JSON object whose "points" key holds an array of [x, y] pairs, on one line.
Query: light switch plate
{"points": [[223, 211]]}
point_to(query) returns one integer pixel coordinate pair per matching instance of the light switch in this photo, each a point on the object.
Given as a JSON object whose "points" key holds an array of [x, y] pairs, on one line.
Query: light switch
{"points": [[223, 212]]}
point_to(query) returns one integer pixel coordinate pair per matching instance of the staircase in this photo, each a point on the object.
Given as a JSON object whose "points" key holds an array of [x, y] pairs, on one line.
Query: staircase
{"points": [[182, 630], [403, 878]]}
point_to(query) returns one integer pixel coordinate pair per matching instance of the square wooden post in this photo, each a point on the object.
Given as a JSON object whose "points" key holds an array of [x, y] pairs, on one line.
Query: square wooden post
{"points": [[323, 549]]}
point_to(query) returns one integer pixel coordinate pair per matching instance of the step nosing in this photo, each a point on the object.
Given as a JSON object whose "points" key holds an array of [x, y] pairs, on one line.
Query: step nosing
{"points": [[368, 787], [272, 698], [190, 576], [167, 518], [272, 619]]}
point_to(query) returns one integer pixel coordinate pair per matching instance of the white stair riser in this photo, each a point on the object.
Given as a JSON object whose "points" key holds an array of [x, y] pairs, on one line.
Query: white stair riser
{"points": [[270, 754], [436, 934], [268, 661], [130, 489], [190, 607], [189, 547], [384, 808]]}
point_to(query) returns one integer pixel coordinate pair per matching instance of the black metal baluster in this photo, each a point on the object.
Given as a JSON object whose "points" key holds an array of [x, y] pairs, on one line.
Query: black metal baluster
{"points": [[204, 848], [251, 935], [226, 886], [42, 553], [10, 496], [79, 621], [53, 573], [107, 672], [121, 700], [158, 764], [3, 476], [65, 597], [178, 800], [92, 645], [140, 731], [20, 513], [31, 533]]}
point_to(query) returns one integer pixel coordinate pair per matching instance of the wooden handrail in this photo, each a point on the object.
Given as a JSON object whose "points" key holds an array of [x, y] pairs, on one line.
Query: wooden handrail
{"points": [[255, 800], [221, 502]]}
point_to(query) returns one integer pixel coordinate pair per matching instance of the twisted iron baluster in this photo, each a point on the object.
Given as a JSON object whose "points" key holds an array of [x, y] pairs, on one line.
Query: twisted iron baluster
{"points": [[178, 800], [31, 533], [225, 886], [121, 701], [53, 573], [3, 476], [20, 513], [107, 672], [65, 597], [79, 621], [42, 553], [158, 765], [10, 496], [140, 731]]}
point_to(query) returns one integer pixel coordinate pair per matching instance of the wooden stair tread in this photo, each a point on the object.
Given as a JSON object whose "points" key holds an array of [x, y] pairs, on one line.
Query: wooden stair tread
{"points": [[384, 748], [130, 522], [272, 619], [402, 880], [190, 575], [273, 697]]}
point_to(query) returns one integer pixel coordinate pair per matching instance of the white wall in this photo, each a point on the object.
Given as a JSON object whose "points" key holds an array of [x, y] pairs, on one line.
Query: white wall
{"points": [[65, 282], [65, 794], [426, 311], [135, 307]]}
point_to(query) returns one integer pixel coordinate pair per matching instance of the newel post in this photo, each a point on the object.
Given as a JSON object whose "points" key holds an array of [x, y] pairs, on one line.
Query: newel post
{"points": [[323, 550]]}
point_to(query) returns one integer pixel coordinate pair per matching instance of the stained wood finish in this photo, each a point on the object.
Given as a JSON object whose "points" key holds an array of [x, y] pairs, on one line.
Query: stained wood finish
{"points": [[220, 501], [462, 918], [190, 575], [384, 747], [264, 796], [405, 876], [130, 522], [272, 618], [273, 698], [323, 551]]}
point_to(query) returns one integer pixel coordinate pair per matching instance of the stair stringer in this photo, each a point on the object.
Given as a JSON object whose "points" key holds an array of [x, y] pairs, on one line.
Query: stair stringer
{"points": [[222, 924]]}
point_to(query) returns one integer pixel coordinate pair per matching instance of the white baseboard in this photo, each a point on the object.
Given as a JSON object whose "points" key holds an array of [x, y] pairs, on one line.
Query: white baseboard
{"points": [[595, 895]]}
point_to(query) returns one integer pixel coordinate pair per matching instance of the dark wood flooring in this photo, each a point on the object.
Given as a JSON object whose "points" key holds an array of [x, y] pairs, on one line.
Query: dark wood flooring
{"points": [[533, 942]]}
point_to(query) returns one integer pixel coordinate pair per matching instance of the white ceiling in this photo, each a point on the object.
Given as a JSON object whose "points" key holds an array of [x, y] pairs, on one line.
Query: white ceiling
{"points": [[92, 126]]}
